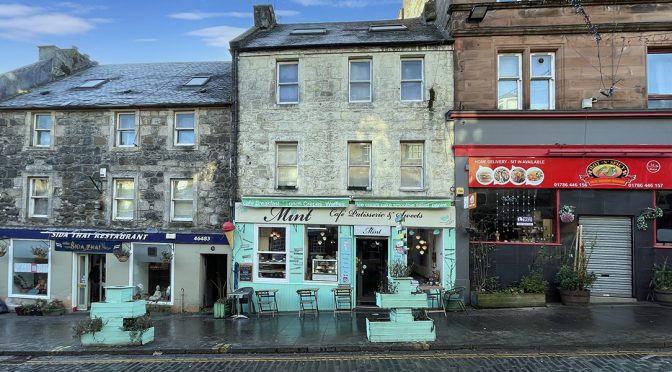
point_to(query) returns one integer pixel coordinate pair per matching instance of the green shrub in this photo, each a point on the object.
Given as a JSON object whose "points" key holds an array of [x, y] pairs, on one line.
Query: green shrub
{"points": [[569, 279], [533, 283], [662, 277]]}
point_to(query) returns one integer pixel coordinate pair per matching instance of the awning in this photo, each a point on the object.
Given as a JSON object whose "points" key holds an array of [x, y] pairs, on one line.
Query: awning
{"points": [[270, 201], [404, 203]]}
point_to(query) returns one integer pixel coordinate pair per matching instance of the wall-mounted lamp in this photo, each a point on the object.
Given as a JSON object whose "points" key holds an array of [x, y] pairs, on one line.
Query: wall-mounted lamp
{"points": [[477, 13]]}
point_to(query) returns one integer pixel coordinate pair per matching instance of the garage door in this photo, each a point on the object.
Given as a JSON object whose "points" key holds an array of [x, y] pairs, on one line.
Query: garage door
{"points": [[611, 256]]}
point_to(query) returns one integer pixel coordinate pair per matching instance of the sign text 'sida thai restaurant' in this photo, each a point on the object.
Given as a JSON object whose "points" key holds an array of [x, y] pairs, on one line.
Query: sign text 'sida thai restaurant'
{"points": [[602, 173]]}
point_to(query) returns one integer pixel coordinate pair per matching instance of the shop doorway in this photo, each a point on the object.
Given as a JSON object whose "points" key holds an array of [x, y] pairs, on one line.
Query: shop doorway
{"points": [[371, 268], [90, 280], [608, 241], [215, 278]]}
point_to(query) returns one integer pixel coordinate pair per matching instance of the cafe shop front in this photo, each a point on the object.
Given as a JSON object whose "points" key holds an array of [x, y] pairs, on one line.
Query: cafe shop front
{"points": [[288, 244], [73, 266]]}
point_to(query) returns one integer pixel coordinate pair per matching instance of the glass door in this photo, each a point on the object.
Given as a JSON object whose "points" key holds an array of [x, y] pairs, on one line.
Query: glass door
{"points": [[82, 282]]}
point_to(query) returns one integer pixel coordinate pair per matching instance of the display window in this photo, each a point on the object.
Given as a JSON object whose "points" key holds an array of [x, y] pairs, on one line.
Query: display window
{"points": [[271, 255], [663, 224], [514, 216], [30, 266], [321, 253], [153, 272], [422, 254]]}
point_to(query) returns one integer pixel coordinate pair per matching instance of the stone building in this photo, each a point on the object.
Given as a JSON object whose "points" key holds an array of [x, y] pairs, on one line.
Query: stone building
{"points": [[117, 175], [562, 107], [341, 131]]}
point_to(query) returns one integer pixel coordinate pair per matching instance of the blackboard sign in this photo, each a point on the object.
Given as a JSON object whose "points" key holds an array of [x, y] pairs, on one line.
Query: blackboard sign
{"points": [[245, 273]]}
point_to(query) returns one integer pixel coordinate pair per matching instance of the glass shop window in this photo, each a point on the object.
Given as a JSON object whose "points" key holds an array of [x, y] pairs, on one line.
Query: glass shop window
{"points": [[322, 253], [272, 247], [514, 215], [30, 267], [421, 256], [153, 266], [664, 223]]}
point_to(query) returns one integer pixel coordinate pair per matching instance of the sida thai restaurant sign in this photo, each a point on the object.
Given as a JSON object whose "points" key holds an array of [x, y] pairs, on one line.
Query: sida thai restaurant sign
{"points": [[571, 173]]}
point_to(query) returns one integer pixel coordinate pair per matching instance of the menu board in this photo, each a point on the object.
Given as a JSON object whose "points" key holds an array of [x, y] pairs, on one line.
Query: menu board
{"points": [[345, 260], [245, 272]]}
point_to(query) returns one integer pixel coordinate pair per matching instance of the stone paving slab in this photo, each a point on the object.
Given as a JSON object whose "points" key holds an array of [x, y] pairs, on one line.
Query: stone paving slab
{"points": [[555, 327]]}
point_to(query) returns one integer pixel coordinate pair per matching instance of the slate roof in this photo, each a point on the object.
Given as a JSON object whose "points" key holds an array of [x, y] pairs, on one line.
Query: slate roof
{"points": [[133, 85], [340, 34]]}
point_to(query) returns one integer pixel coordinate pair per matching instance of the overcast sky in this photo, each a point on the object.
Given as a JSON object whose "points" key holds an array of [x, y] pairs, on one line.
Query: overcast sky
{"points": [[133, 31]]}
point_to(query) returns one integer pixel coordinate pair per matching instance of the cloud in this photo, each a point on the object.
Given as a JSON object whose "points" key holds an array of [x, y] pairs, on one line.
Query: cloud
{"points": [[21, 22], [145, 40], [218, 36], [75, 8], [197, 16], [286, 13], [344, 3]]}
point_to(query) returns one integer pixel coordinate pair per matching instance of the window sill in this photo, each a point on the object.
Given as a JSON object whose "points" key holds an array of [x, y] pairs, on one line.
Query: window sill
{"points": [[286, 104], [359, 188], [662, 246], [125, 148], [34, 297], [286, 188], [515, 243], [184, 147], [413, 189]]}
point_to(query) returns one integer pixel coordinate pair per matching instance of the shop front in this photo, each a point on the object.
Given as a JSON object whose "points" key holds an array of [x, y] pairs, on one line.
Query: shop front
{"points": [[74, 266], [296, 243], [528, 204]]}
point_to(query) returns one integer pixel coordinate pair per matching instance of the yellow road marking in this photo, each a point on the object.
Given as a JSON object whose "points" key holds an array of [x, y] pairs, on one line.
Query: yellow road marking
{"points": [[219, 358]]}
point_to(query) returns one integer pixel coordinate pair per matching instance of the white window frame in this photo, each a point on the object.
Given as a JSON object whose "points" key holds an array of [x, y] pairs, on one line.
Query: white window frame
{"points": [[421, 166], [32, 197], [173, 181], [118, 131], [10, 273], [518, 80], [368, 187], [278, 166], [550, 79], [421, 80], [37, 131], [176, 130], [131, 273], [278, 84], [256, 277], [116, 199], [370, 81]]}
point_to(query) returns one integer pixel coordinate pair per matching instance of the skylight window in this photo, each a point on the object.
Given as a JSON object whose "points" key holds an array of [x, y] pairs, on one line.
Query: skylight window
{"points": [[390, 27], [197, 81], [309, 31], [93, 83]]}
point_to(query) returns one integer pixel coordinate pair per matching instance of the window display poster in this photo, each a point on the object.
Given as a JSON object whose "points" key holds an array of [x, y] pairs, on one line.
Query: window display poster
{"points": [[345, 261]]}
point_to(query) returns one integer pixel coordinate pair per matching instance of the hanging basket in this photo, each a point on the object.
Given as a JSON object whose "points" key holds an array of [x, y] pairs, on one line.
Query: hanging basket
{"points": [[566, 214], [3, 253], [122, 258]]}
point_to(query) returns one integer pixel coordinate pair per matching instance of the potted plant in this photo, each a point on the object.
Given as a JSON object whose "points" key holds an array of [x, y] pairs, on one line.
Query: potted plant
{"points": [[166, 257], [136, 328], [662, 283], [40, 252], [4, 243], [574, 280], [222, 307], [87, 328], [121, 254], [54, 307]]}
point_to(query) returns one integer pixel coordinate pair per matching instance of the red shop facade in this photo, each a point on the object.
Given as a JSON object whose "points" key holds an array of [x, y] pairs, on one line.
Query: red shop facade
{"points": [[529, 199]]}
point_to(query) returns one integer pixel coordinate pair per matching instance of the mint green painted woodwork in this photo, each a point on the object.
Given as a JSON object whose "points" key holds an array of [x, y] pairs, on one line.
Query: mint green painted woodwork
{"points": [[270, 202], [297, 261], [287, 298], [402, 203], [118, 306], [243, 245], [401, 327], [449, 258]]}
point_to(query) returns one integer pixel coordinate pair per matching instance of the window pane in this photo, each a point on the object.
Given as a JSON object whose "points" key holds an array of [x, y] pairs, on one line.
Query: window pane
{"points": [[43, 122], [359, 153], [411, 70], [124, 189], [149, 271], [182, 189], [287, 154], [289, 93], [125, 209], [127, 121], [360, 92], [40, 207], [508, 95], [185, 137], [358, 176], [411, 177], [126, 138], [30, 274], [508, 66], [659, 77], [287, 176], [539, 94], [321, 253], [411, 91], [541, 65], [660, 103], [184, 121], [44, 138], [360, 70], [182, 210], [289, 73], [40, 187], [411, 154]]}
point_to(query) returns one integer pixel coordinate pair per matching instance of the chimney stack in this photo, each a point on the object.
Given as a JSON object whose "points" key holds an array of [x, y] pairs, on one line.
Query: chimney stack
{"points": [[264, 16]]}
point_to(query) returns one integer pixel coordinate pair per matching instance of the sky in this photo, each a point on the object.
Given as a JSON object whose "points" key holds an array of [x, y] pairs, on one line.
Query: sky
{"points": [[137, 31]]}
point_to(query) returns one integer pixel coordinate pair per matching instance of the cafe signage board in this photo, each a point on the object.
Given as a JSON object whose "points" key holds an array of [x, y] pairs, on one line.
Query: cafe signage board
{"points": [[571, 173]]}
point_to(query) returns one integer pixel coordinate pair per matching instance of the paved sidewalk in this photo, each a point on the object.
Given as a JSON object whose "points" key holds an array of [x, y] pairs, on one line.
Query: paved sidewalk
{"points": [[641, 326]]}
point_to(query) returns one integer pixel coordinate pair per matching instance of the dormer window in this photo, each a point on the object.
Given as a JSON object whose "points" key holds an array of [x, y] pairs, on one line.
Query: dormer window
{"points": [[197, 81], [390, 27], [92, 83]]}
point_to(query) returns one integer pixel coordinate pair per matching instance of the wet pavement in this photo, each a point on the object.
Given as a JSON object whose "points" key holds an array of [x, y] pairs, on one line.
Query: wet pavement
{"points": [[641, 326]]}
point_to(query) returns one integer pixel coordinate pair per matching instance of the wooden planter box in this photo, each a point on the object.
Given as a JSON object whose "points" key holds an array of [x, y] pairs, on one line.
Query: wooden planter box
{"points": [[663, 297], [417, 331], [103, 338], [575, 298], [222, 310], [401, 300], [507, 300]]}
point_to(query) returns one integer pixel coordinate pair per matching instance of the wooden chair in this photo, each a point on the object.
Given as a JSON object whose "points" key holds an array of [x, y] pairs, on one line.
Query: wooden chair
{"points": [[342, 299], [308, 301], [266, 301]]}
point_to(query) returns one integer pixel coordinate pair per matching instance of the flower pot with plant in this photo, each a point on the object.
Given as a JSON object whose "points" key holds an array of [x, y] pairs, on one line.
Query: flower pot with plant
{"points": [[54, 307], [221, 307], [574, 280], [662, 283], [121, 254]]}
